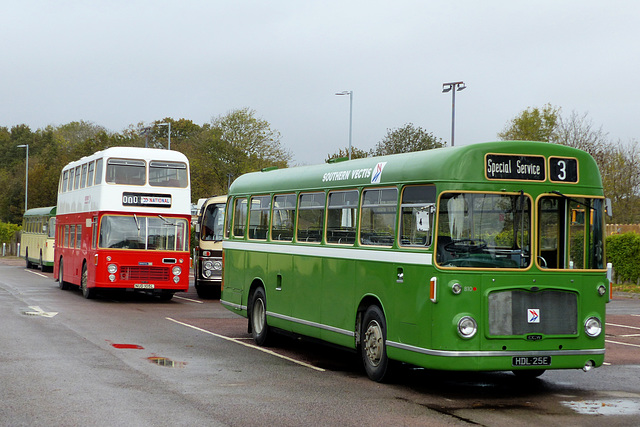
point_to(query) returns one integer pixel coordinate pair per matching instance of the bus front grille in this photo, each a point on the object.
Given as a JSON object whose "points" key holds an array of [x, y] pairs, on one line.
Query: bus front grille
{"points": [[144, 273], [520, 312]]}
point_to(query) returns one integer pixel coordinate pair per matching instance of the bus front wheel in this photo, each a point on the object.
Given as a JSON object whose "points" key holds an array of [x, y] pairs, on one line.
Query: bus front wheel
{"points": [[373, 343], [87, 292], [258, 317]]}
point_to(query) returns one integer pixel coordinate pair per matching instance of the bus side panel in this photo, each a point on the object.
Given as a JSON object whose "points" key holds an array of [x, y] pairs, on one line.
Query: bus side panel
{"points": [[280, 287], [337, 296], [234, 277], [307, 294], [409, 318]]}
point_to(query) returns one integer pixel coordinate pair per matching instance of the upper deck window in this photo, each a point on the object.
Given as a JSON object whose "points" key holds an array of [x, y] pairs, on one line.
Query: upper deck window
{"points": [[126, 171], [168, 174]]}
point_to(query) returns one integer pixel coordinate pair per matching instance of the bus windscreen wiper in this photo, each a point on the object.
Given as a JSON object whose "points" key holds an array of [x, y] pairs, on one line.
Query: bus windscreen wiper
{"points": [[573, 200]]}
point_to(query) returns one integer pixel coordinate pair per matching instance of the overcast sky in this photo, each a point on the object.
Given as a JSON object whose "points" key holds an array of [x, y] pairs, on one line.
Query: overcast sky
{"points": [[121, 62]]}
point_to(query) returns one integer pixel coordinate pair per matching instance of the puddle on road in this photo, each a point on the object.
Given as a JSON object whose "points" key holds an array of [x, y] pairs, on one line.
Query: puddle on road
{"points": [[605, 407], [165, 361]]}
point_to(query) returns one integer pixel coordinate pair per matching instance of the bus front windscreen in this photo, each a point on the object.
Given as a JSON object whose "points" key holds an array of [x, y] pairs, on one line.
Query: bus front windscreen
{"points": [[143, 233], [484, 230]]}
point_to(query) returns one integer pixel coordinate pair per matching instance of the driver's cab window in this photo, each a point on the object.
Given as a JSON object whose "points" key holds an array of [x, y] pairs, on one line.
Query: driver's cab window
{"points": [[484, 230]]}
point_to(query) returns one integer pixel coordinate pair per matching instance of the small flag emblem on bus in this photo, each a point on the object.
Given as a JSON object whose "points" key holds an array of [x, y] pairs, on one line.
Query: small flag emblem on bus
{"points": [[533, 315], [377, 173]]}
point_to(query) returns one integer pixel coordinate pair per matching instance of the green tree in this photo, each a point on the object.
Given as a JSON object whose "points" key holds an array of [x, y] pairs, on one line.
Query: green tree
{"points": [[356, 153], [533, 124], [406, 139]]}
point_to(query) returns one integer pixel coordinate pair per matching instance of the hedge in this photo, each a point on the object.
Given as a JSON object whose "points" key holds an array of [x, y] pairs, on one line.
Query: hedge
{"points": [[623, 251]]}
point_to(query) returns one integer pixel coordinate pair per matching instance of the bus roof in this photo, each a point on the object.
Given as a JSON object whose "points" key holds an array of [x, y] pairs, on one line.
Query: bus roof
{"points": [[133, 153], [46, 211], [460, 164]]}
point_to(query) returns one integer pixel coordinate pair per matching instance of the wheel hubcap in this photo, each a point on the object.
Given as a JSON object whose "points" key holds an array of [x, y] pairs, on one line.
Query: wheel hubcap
{"points": [[373, 343], [258, 316]]}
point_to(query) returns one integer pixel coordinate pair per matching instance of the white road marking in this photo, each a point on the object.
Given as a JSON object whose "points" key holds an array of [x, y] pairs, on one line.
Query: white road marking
{"points": [[237, 341], [189, 299], [37, 311]]}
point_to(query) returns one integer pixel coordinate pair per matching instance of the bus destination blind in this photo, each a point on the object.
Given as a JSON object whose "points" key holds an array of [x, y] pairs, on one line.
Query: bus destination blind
{"points": [[514, 167]]}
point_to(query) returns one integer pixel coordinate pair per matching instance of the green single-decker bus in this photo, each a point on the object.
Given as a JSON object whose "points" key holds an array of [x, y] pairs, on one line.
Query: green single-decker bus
{"points": [[484, 257]]}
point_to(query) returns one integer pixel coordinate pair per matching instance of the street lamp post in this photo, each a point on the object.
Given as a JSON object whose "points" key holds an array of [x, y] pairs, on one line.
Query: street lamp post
{"points": [[350, 93], [169, 134], [453, 87], [26, 177]]}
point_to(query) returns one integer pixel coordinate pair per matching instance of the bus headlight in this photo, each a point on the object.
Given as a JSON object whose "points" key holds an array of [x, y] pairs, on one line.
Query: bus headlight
{"points": [[593, 327], [176, 279], [176, 270], [217, 265], [112, 268], [208, 265], [467, 327], [112, 277]]}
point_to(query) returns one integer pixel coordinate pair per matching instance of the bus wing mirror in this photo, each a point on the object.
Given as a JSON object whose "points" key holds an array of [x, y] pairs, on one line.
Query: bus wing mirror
{"points": [[607, 207]]}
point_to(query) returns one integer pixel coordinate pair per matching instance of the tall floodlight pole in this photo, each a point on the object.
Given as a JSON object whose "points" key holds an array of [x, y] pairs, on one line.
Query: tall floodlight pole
{"points": [[453, 87], [169, 133], [26, 177], [350, 93]]}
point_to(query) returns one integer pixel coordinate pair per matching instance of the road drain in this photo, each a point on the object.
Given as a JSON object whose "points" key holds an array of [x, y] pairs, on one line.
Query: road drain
{"points": [[605, 407], [165, 361]]}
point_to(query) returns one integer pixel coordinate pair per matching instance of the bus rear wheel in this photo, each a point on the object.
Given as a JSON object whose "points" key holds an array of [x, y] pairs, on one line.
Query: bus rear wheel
{"points": [[87, 292], [373, 343], [258, 317], [63, 285]]}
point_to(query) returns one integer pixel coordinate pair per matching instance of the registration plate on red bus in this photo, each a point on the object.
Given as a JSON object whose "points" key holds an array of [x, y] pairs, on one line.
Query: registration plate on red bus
{"points": [[144, 286], [531, 361]]}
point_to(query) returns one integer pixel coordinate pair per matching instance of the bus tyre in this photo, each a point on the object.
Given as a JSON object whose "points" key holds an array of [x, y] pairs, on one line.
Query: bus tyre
{"points": [[26, 258], [63, 285], [258, 317], [373, 343], [87, 292]]}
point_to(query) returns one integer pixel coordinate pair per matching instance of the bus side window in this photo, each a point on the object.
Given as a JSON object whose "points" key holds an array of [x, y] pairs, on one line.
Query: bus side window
{"points": [[239, 217], [90, 173], [83, 178], [310, 217], [378, 218], [259, 217], [284, 206], [65, 181], [98, 178], [417, 215], [76, 184], [341, 217]]}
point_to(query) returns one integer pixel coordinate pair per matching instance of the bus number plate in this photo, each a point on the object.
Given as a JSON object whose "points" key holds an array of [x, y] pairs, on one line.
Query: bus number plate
{"points": [[531, 361], [144, 286]]}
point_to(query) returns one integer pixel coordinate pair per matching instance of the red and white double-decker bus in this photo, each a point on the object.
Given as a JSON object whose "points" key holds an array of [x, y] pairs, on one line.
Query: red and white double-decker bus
{"points": [[122, 222]]}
